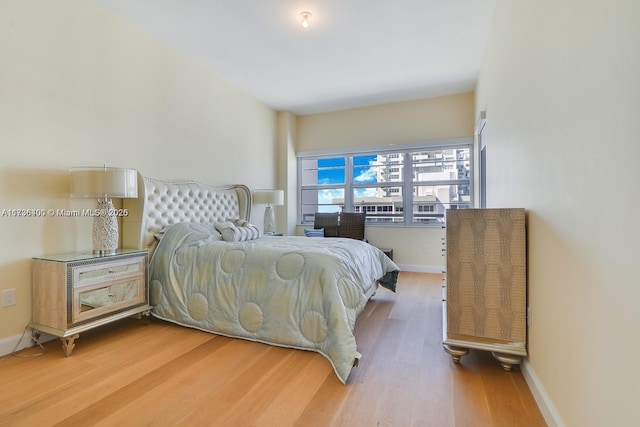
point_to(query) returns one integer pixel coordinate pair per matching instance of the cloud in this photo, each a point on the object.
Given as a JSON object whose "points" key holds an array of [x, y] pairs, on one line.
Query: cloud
{"points": [[367, 175], [366, 192], [327, 196]]}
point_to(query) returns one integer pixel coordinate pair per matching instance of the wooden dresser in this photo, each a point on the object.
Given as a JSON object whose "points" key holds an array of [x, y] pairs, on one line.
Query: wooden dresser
{"points": [[485, 289]]}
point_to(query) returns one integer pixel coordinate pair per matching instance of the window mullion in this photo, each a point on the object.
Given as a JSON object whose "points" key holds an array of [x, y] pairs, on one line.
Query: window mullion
{"points": [[445, 182], [407, 189], [348, 190]]}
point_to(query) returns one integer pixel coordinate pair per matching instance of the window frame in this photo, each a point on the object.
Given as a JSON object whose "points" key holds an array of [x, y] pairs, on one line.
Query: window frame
{"points": [[406, 184]]}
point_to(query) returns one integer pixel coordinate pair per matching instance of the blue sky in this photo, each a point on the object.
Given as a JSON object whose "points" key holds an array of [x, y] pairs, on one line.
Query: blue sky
{"points": [[361, 172]]}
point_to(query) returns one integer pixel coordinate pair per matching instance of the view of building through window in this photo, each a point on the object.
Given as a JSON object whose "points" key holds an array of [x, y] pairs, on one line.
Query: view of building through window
{"points": [[414, 186]]}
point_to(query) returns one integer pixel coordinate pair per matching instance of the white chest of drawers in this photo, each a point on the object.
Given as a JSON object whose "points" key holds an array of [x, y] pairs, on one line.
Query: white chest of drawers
{"points": [[73, 293]]}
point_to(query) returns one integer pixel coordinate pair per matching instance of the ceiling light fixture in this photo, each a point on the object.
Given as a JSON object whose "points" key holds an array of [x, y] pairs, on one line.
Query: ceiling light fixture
{"points": [[305, 19]]}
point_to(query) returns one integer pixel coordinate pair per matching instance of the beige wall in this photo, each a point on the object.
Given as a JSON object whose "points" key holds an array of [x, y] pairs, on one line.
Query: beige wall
{"points": [[415, 248], [79, 86], [287, 168], [560, 87], [403, 122]]}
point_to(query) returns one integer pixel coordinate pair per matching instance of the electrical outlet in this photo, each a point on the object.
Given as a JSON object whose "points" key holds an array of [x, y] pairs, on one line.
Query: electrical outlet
{"points": [[529, 321], [8, 297]]}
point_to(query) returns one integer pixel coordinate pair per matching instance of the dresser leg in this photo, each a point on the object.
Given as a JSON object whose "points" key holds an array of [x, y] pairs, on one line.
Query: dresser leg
{"points": [[507, 360], [456, 352], [68, 343], [147, 316]]}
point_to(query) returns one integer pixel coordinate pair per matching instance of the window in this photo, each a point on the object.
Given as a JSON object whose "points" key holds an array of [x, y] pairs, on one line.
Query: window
{"points": [[411, 186]]}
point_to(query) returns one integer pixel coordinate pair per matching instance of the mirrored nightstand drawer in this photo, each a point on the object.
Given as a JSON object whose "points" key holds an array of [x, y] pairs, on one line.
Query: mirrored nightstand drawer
{"points": [[90, 274]]}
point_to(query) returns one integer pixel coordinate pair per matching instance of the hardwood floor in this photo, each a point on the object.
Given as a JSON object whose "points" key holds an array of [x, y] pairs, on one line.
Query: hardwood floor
{"points": [[154, 373]]}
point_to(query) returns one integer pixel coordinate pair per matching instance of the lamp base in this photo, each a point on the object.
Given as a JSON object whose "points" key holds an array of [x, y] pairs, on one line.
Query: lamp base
{"points": [[105, 229], [269, 220]]}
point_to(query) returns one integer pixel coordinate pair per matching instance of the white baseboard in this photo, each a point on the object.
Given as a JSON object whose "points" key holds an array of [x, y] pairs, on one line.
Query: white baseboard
{"points": [[15, 343], [20, 342], [548, 409], [421, 268]]}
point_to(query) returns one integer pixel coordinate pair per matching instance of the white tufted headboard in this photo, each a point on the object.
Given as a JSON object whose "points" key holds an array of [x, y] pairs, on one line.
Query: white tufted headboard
{"points": [[161, 203]]}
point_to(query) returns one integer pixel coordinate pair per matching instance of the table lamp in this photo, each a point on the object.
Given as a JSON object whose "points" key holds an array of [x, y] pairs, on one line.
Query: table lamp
{"points": [[104, 183], [269, 198]]}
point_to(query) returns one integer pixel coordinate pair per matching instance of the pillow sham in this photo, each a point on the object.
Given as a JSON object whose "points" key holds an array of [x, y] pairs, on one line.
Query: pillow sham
{"points": [[314, 232]]}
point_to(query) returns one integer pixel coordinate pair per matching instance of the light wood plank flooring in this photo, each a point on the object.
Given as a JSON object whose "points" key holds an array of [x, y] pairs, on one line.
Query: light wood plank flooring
{"points": [[137, 373]]}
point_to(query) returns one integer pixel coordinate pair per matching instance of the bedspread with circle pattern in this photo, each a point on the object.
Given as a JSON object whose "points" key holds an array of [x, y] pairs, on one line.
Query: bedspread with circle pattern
{"points": [[293, 292]]}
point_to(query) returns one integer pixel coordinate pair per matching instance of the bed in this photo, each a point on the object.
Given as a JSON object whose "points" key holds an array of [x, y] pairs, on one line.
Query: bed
{"points": [[289, 291]]}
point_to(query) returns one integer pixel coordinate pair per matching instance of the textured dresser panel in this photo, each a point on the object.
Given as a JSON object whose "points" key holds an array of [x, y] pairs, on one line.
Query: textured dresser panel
{"points": [[486, 274]]}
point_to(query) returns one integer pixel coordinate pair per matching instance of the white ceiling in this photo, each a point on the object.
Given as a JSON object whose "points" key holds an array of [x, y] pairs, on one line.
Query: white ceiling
{"points": [[355, 52]]}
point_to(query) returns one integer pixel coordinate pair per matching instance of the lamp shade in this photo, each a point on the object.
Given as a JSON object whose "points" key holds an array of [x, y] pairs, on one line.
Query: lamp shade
{"points": [[268, 197], [102, 181]]}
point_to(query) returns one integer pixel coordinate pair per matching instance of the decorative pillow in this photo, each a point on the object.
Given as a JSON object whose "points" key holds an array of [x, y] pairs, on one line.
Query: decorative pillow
{"points": [[222, 225], [314, 232], [237, 230], [229, 231], [231, 234], [252, 230]]}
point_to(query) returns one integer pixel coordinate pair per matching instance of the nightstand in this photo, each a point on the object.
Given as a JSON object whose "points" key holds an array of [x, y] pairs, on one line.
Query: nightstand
{"points": [[76, 292], [388, 252]]}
